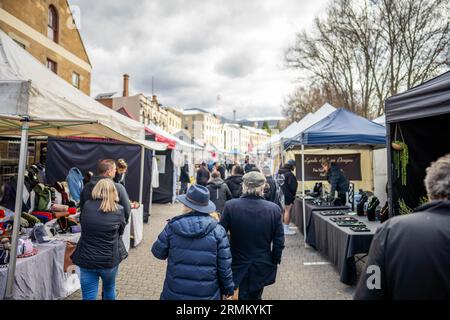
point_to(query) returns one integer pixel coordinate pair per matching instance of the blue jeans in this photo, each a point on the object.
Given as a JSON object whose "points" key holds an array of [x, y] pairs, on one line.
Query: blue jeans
{"points": [[89, 283]]}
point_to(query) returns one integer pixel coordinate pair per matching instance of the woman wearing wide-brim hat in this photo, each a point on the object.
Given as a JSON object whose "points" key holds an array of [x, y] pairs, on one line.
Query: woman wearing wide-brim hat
{"points": [[198, 251]]}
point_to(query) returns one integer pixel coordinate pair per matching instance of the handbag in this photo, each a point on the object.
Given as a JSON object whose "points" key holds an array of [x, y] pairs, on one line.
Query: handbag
{"points": [[122, 250]]}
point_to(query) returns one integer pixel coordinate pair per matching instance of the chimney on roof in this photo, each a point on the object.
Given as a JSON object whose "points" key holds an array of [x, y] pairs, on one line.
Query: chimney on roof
{"points": [[234, 115], [126, 83]]}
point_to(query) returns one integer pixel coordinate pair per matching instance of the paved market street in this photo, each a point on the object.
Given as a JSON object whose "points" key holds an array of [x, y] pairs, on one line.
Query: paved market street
{"points": [[141, 276]]}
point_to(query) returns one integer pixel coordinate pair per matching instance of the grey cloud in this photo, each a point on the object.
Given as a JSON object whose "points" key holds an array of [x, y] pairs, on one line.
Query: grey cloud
{"points": [[195, 49], [237, 65]]}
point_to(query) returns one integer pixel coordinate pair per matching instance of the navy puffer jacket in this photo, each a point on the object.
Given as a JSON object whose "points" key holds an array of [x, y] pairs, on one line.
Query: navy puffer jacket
{"points": [[199, 258]]}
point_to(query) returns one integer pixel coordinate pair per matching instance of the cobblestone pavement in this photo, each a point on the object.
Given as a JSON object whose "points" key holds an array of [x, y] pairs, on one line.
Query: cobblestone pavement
{"points": [[141, 276]]}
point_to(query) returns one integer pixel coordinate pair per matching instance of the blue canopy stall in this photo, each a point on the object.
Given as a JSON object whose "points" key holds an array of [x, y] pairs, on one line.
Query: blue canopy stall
{"points": [[341, 128]]}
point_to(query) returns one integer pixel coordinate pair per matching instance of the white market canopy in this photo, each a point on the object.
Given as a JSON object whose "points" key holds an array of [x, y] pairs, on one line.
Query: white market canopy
{"points": [[180, 144], [53, 106], [296, 128]]}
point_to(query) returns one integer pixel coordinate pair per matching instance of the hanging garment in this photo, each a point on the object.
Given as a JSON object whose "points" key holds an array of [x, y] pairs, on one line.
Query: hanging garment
{"points": [[155, 173], [9, 196], [75, 182]]}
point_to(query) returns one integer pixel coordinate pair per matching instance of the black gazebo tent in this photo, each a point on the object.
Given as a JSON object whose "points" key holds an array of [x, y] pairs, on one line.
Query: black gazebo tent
{"points": [[421, 118]]}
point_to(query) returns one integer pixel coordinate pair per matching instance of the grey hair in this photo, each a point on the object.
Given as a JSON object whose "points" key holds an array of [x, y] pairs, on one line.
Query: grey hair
{"points": [[437, 181], [252, 191]]}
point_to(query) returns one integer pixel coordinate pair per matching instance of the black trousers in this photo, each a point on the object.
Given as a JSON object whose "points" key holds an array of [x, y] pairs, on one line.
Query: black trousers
{"points": [[246, 294]]}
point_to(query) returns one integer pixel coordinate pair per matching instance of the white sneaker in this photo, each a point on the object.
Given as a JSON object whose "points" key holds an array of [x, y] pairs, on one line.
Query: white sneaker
{"points": [[288, 232], [293, 228]]}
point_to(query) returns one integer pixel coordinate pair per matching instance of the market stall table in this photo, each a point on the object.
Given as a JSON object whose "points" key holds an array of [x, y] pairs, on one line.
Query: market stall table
{"points": [[39, 277], [341, 244], [135, 227], [297, 217]]}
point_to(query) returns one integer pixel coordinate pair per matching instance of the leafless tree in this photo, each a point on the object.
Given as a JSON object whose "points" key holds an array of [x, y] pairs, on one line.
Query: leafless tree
{"points": [[368, 50]]}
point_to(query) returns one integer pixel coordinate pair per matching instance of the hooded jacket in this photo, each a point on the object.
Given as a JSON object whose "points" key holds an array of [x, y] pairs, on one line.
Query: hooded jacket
{"points": [[270, 191], [124, 201], [234, 183], [412, 253], [290, 184], [199, 258], [219, 193], [75, 181]]}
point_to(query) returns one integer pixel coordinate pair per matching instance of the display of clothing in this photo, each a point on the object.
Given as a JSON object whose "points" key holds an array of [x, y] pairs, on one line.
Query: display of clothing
{"points": [[9, 196], [75, 181], [155, 173]]}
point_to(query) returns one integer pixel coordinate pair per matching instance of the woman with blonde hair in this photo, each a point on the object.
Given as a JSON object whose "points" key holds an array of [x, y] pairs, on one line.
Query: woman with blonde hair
{"points": [[100, 249]]}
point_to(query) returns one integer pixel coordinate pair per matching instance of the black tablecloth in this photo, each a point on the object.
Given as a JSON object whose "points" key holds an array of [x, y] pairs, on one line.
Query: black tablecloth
{"points": [[340, 244], [297, 217]]}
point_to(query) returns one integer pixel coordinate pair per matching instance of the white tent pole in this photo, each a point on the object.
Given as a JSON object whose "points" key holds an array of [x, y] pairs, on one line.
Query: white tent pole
{"points": [[303, 193], [141, 187], [18, 212], [151, 189]]}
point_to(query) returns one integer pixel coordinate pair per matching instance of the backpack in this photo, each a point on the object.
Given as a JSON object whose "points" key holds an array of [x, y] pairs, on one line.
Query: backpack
{"points": [[42, 198], [279, 196]]}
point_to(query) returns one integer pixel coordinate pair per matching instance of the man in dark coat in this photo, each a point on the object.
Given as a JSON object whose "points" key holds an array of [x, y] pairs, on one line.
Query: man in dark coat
{"points": [[220, 168], [257, 238], [270, 191], [184, 178], [106, 169], [248, 166], [409, 258], [337, 180], [289, 188], [203, 175], [234, 182], [218, 191]]}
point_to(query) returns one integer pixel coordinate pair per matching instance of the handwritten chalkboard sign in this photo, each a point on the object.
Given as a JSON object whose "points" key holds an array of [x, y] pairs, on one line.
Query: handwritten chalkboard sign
{"points": [[349, 163]]}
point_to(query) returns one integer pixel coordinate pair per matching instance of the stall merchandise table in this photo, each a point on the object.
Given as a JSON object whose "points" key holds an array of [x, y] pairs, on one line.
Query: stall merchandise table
{"points": [[340, 244], [40, 277], [297, 217]]}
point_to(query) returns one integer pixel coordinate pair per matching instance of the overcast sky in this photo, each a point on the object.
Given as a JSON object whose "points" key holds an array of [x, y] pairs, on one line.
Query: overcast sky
{"points": [[215, 55]]}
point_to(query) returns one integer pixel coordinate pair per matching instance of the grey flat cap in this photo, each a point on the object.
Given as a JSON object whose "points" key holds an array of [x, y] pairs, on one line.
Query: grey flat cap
{"points": [[254, 179]]}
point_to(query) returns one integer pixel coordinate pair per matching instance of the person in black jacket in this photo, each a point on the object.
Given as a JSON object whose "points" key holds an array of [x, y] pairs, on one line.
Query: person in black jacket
{"points": [[270, 190], [106, 169], [98, 253], [289, 188], [184, 178], [234, 182], [409, 258], [257, 239], [203, 175], [219, 191], [339, 183]]}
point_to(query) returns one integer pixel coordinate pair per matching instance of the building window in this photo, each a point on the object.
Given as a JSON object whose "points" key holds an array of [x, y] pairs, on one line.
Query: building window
{"points": [[52, 65], [76, 80], [52, 24]]}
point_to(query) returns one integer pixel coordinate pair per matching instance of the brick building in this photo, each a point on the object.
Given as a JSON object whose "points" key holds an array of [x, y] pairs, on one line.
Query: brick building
{"points": [[46, 29]]}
